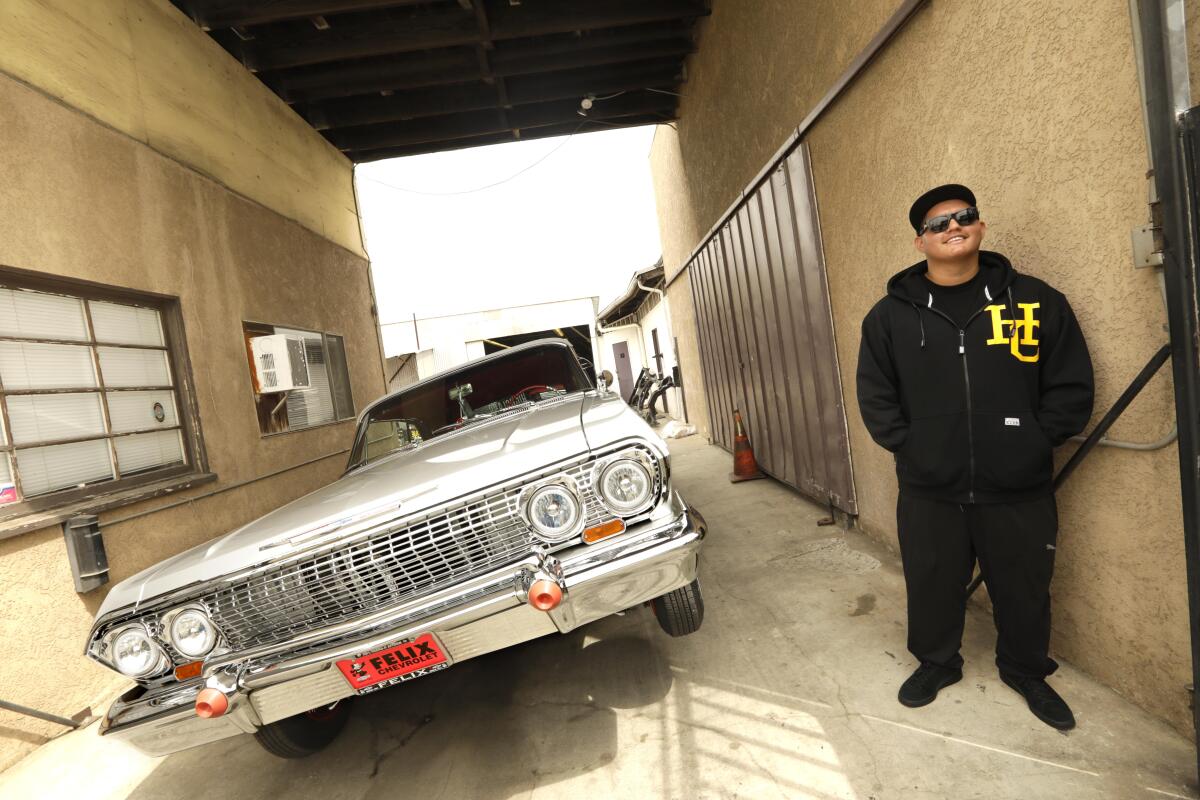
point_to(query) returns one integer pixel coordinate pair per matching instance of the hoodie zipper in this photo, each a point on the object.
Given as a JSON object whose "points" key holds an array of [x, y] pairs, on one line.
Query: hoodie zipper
{"points": [[962, 351]]}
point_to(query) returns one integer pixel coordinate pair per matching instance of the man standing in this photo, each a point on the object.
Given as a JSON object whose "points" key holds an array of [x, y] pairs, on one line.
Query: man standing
{"points": [[970, 373]]}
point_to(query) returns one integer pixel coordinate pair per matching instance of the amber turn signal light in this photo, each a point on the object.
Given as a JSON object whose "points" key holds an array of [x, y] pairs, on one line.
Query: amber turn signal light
{"points": [[545, 595], [604, 530], [185, 671], [211, 703]]}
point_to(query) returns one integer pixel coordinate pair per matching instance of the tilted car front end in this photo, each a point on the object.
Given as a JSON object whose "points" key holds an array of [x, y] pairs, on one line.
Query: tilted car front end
{"points": [[392, 590]]}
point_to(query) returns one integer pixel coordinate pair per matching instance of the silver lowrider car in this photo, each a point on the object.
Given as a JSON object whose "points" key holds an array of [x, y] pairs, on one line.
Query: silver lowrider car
{"points": [[488, 505]]}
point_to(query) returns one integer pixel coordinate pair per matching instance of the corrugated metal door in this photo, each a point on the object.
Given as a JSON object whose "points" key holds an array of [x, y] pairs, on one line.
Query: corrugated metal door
{"points": [[766, 336]]}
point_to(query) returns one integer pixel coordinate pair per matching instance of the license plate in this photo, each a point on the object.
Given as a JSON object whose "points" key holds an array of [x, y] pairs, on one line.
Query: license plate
{"points": [[370, 672]]}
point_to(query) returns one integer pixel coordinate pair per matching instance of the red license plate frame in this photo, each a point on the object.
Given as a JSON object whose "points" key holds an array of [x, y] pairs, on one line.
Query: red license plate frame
{"points": [[396, 663]]}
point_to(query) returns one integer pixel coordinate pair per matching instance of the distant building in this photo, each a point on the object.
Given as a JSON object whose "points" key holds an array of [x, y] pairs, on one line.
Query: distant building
{"points": [[418, 348], [635, 332]]}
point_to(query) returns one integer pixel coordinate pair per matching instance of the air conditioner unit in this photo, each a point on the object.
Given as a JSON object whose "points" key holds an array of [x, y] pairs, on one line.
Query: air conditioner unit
{"points": [[280, 363]]}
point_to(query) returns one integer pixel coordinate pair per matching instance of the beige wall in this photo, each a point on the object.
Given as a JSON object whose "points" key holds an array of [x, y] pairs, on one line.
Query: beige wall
{"points": [[1036, 107], [84, 201], [144, 68], [683, 327], [760, 68]]}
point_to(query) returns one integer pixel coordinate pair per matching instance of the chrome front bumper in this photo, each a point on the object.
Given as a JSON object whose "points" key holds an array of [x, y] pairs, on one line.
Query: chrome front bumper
{"points": [[479, 616]]}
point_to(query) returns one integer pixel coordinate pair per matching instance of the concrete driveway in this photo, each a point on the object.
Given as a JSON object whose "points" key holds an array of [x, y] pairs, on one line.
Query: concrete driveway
{"points": [[787, 691]]}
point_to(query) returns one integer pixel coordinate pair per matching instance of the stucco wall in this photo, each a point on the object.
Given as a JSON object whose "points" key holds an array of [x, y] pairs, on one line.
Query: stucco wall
{"points": [[683, 322], [84, 201], [760, 68], [1035, 106], [144, 68]]}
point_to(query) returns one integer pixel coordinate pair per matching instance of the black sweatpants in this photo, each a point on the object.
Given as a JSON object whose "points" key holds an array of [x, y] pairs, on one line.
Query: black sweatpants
{"points": [[1015, 545]]}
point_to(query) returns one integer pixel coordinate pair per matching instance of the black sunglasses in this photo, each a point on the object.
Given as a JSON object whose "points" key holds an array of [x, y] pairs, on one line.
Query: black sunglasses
{"points": [[938, 224]]}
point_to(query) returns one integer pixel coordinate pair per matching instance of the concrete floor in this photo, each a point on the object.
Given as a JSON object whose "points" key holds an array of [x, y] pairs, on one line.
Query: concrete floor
{"points": [[787, 691]]}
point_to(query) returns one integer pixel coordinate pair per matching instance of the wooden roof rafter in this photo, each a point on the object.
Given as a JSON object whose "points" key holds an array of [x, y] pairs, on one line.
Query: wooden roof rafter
{"points": [[374, 74]]}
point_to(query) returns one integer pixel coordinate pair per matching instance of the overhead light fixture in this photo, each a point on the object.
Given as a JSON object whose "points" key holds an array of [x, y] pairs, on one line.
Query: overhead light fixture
{"points": [[585, 105]]}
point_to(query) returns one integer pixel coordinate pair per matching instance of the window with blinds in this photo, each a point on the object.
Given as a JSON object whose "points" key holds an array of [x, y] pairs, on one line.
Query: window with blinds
{"points": [[88, 396], [326, 400]]}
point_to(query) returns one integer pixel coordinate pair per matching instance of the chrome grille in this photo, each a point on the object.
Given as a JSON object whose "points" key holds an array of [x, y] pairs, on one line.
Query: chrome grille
{"points": [[399, 563]]}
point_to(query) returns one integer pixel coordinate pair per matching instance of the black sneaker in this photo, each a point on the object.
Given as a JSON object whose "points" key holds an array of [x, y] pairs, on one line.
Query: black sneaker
{"points": [[922, 686], [1043, 701]]}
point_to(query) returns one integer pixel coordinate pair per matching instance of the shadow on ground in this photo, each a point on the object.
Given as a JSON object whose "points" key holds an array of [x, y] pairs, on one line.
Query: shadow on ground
{"points": [[493, 727], [788, 690]]}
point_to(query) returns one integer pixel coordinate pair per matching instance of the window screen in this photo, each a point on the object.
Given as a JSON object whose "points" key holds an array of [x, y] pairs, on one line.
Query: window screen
{"points": [[87, 393]]}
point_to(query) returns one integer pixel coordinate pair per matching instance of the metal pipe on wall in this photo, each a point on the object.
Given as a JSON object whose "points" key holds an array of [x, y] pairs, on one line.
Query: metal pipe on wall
{"points": [[1171, 436], [33, 712], [1167, 96], [662, 298], [641, 342], [1127, 397]]}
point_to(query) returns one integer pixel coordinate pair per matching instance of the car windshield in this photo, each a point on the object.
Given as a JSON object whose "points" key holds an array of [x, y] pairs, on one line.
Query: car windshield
{"points": [[516, 379]]}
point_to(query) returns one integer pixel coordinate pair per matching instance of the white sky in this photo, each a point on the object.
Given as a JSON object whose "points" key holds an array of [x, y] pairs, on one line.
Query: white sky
{"points": [[578, 224]]}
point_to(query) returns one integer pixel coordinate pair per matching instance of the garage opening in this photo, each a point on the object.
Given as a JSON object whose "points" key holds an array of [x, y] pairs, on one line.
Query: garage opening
{"points": [[578, 335]]}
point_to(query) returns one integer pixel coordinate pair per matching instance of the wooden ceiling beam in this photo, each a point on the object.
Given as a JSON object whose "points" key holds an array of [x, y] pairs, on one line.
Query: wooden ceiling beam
{"points": [[372, 76], [417, 103], [419, 29], [533, 64], [579, 83], [545, 132], [512, 21], [217, 14], [475, 123], [407, 72], [574, 42], [423, 29], [412, 104], [482, 49]]}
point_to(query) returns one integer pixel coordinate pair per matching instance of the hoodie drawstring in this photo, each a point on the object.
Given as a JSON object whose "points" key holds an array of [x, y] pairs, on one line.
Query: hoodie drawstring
{"points": [[921, 322]]}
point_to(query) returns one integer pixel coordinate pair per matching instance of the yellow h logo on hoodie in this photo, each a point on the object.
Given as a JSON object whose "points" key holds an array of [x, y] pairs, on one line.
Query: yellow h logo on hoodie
{"points": [[1022, 330]]}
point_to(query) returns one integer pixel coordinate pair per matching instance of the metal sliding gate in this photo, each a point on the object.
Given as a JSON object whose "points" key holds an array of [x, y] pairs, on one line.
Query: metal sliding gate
{"points": [[766, 335]]}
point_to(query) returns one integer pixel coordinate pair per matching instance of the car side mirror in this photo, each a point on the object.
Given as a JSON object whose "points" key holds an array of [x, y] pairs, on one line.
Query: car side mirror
{"points": [[606, 379]]}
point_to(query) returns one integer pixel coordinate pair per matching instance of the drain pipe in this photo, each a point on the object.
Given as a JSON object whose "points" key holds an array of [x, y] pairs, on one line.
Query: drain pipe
{"points": [[662, 298], [641, 342], [1175, 145]]}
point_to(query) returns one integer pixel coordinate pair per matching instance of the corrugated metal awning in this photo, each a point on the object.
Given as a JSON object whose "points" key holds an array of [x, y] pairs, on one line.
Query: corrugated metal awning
{"points": [[633, 296]]}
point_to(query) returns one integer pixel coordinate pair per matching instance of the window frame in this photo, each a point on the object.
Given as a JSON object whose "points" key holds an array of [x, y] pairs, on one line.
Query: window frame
{"points": [[274, 327], [180, 371]]}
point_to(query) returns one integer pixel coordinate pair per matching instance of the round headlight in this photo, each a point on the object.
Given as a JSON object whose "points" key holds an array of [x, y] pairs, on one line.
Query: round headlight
{"points": [[553, 512], [134, 654], [193, 633], [625, 486]]}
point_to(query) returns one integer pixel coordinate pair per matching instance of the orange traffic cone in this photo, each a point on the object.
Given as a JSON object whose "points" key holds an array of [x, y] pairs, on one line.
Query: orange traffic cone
{"points": [[745, 468]]}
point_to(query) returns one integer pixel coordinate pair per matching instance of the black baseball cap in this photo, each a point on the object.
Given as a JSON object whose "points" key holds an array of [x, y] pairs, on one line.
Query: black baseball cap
{"points": [[940, 194]]}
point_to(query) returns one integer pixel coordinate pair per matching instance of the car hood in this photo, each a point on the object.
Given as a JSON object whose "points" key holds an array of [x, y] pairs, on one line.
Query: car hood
{"points": [[407, 482]]}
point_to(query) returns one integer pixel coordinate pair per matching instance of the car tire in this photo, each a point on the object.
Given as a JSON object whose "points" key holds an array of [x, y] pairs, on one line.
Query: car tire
{"points": [[304, 734], [680, 612]]}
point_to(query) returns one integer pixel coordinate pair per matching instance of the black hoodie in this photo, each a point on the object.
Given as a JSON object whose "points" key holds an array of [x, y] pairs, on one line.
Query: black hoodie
{"points": [[972, 414]]}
